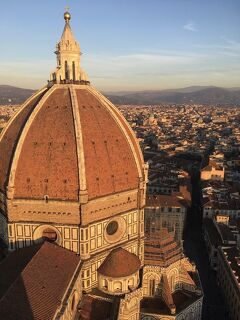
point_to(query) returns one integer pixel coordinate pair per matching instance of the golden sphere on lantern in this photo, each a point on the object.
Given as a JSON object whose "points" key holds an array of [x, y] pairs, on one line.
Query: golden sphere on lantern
{"points": [[67, 16]]}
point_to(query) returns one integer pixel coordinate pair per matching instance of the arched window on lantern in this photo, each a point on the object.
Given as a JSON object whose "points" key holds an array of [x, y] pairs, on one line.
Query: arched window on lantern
{"points": [[73, 70]]}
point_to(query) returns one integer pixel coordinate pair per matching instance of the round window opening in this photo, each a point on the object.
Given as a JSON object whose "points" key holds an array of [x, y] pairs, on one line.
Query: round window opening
{"points": [[115, 230], [49, 235], [112, 228]]}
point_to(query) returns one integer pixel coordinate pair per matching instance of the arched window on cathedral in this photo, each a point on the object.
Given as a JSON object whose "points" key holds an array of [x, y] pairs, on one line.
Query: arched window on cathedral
{"points": [[152, 287], [117, 286], [131, 282], [49, 235]]}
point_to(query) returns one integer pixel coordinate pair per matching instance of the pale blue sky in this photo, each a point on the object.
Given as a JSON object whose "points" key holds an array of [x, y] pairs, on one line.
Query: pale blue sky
{"points": [[127, 44]]}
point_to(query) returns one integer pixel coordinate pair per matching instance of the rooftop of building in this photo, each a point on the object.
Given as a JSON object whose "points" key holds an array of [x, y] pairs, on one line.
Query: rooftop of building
{"points": [[226, 233], [93, 307], [120, 263], [161, 249], [165, 201], [156, 305], [34, 281], [212, 232]]}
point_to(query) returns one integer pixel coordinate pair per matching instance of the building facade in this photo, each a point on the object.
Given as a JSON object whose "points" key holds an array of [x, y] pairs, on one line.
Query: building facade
{"points": [[229, 279], [213, 172], [167, 211]]}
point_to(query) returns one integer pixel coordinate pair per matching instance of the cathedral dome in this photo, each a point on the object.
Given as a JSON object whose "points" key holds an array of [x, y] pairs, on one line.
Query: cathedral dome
{"points": [[120, 263], [119, 272], [68, 138]]}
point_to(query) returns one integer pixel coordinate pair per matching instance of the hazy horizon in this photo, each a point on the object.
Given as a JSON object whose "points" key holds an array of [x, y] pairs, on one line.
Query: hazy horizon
{"points": [[125, 91], [128, 46]]}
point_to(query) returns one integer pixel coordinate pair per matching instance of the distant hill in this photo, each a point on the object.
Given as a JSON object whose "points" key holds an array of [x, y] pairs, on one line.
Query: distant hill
{"points": [[13, 95], [198, 95], [194, 94]]}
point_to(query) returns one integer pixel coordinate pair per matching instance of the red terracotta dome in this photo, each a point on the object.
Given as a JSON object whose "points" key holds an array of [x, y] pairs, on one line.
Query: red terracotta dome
{"points": [[120, 263], [67, 138]]}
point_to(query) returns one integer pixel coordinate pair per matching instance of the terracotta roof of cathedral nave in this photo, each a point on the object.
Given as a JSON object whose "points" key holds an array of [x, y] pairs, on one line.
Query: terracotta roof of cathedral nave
{"points": [[34, 280]]}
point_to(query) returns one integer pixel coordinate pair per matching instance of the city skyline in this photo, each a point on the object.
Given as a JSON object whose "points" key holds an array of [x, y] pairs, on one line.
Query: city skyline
{"points": [[126, 46]]}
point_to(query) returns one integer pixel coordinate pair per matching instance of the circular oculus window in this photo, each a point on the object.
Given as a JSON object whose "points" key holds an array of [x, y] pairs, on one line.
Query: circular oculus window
{"points": [[112, 228], [115, 230]]}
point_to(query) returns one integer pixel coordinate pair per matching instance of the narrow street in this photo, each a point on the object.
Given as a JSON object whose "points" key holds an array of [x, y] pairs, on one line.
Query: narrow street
{"points": [[194, 247], [213, 304]]}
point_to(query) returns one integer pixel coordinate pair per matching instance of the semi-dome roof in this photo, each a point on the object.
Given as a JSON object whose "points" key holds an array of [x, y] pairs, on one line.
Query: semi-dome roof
{"points": [[120, 263], [68, 138]]}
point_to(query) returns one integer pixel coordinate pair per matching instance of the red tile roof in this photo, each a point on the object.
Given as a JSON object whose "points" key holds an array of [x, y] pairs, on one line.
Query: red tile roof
{"points": [[10, 138], [161, 249], [48, 162], [34, 280], [92, 308], [109, 161], [120, 263], [165, 201]]}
